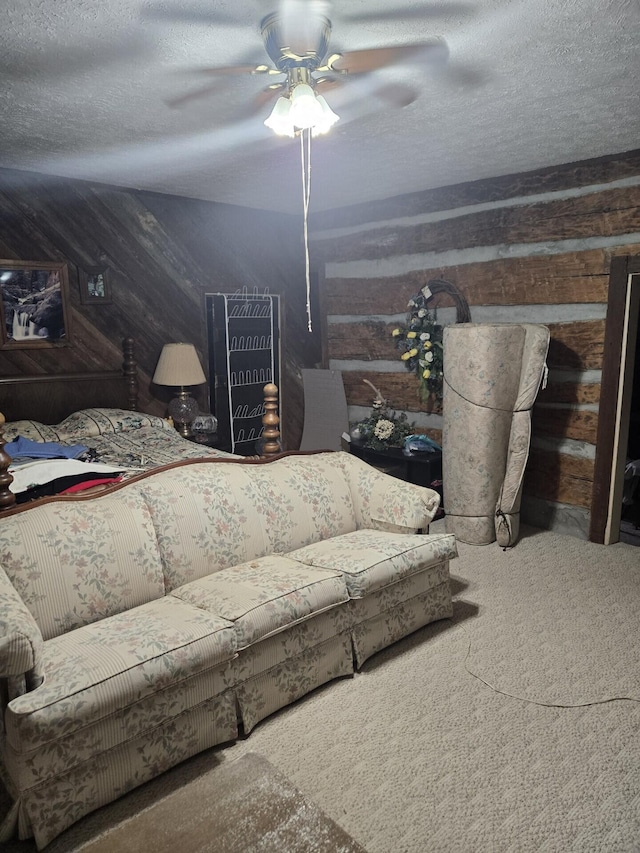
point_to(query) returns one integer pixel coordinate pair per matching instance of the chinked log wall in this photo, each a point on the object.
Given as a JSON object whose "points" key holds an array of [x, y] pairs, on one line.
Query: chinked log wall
{"points": [[534, 248]]}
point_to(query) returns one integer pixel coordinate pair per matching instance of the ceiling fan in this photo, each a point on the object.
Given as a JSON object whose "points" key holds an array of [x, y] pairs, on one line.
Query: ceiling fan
{"points": [[302, 65]]}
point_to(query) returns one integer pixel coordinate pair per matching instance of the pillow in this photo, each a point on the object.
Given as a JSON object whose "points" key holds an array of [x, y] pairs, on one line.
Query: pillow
{"points": [[93, 422], [33, 430]]}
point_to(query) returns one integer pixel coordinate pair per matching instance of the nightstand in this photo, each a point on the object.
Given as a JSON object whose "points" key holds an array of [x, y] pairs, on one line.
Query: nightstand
{"points": [[423, 469]]}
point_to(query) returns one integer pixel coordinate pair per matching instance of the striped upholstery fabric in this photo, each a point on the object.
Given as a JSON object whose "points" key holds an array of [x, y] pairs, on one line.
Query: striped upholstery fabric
{"points": [[21, 640], [371, 559], [211, 517], [76, 563], [266, 596], [385, 503]]}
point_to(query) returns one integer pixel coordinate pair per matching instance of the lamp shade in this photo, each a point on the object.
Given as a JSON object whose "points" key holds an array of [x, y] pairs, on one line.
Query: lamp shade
{"points": [[305, 109], [179, 365], [326, 120], [280, 120]]}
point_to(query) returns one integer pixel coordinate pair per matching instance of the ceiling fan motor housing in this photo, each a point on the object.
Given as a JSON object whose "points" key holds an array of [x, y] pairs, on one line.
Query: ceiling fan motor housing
{"points": [[300, 53]]}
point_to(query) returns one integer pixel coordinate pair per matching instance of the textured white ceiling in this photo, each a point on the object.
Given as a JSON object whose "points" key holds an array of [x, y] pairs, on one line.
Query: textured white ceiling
{"points": [[530, 83]]}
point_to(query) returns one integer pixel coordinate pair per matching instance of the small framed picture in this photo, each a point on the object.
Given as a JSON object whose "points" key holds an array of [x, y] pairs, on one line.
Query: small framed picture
{"points": [[95, 286], [33, 308]]}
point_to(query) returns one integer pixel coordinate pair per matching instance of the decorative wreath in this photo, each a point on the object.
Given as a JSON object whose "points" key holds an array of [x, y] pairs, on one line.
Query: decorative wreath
{"points": [[420, 339]]}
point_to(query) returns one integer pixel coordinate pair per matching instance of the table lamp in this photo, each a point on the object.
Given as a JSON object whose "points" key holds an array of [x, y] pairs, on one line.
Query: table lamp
{"points": [[179, 366]]}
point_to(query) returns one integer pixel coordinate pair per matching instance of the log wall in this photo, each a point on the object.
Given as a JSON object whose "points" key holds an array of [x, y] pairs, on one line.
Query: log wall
{"points": [[534, 247], [164, 253]]}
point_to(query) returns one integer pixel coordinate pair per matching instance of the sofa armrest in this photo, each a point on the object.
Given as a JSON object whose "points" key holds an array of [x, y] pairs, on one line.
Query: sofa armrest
{"points": [[383, 502], [21, 643]]}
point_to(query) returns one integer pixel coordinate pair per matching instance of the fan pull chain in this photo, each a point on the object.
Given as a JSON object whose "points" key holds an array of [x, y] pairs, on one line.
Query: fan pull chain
{"points": [[305, 161]]}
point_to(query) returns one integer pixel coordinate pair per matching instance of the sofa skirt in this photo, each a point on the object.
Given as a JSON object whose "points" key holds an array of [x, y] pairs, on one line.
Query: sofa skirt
{"points": [[283, 668], [46, 809], [399, 609]]}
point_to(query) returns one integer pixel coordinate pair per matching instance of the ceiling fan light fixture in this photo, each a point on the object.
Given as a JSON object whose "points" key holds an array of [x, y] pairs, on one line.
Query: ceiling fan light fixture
{"points": [[305, 110], [280, 121], [327, 120]]}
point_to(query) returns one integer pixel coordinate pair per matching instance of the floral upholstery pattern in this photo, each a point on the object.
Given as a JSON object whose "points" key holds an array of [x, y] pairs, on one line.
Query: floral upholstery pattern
{"points": [[398, 609], [493, 373], [277, 686], [75, 563], [209, 517], [395, 506], [96, 671], [21, 640], [111, 684], [212, 593], [48, 808], [370, 559], [265, 596]]}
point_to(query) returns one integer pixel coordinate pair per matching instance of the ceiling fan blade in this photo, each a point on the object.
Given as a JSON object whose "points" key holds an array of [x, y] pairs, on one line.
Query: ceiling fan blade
{"points": [[410, 13], [259, 103], [365, 61], [195, 95], [231, 70], [397, 94], [328, 84]]}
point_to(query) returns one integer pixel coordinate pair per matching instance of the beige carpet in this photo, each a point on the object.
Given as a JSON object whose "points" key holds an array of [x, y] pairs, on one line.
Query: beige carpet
{"points": [[418, 754]]}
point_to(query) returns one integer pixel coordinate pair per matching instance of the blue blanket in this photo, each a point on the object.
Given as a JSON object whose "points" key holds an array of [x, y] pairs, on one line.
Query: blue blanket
{"points": [[24, 448]]}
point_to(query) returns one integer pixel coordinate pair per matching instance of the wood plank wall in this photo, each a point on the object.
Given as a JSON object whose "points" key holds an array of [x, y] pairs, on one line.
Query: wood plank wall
{"points": [[534, 247], [164, 253]]}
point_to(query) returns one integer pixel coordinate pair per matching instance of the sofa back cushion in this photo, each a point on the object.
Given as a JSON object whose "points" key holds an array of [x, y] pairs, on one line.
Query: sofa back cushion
{"points": [[75, 562], [212, 515]]}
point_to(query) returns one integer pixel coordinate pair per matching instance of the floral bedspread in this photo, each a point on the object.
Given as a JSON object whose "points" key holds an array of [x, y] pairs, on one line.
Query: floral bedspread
{"points": [[146, 448], [131, 440]]}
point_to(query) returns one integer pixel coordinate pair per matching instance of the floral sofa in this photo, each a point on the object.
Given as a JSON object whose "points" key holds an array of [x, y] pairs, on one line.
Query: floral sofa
{"points": [[143, 625]]}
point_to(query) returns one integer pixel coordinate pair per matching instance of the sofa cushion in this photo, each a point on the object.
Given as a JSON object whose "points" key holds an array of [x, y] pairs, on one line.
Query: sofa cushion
{"points": [[209, 516], [77, 562], [94, 672], [265, 596], [371, 559]]}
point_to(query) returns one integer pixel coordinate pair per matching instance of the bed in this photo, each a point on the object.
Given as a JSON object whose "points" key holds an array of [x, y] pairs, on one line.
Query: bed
{"points": [[113, 441]]}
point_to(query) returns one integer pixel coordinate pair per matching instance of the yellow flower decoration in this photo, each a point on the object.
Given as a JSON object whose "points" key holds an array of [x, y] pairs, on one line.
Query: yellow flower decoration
{"points": [[427, 345], [412, 334], [395, 333], [413, 352], [405, 356], [426, 373]]}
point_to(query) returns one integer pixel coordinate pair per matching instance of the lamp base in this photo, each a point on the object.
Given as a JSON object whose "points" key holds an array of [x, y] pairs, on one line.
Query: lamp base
{"points": [[183, 409]]}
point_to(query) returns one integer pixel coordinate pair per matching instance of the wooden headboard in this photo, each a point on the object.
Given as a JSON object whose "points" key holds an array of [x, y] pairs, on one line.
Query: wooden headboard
{"points": [[49, 397]]}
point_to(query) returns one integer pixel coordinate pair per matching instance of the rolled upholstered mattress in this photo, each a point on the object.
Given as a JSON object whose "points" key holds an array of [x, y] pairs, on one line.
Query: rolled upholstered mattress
{"points": [[492, 375]]}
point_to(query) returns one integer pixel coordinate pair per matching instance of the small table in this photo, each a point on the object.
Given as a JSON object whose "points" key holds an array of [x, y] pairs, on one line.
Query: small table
{"points": [[423, 469]]}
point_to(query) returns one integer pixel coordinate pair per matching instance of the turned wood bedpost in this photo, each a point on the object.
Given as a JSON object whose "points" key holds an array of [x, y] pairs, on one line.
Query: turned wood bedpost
{"points": [[270, 421], [7, 498], [130, 370]]}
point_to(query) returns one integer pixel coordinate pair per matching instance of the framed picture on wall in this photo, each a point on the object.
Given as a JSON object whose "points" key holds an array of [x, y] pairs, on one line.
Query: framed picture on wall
{"points": [[95, 286], [34, 309]]}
